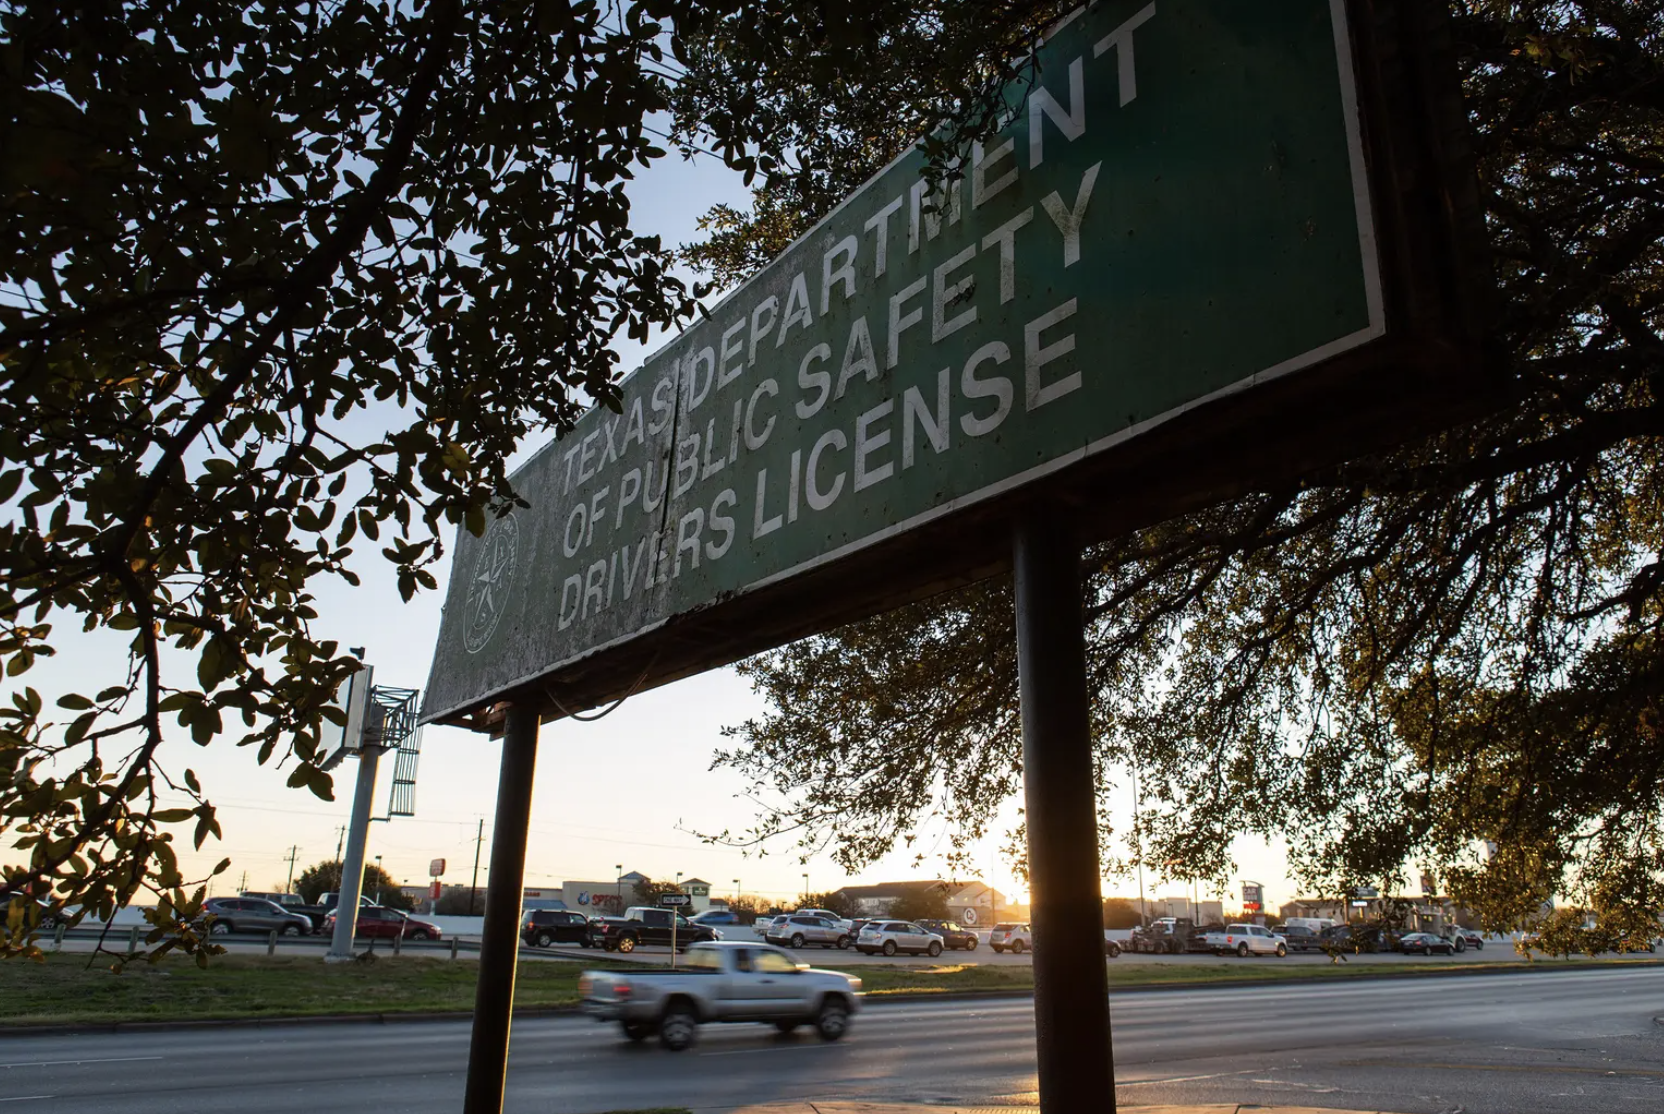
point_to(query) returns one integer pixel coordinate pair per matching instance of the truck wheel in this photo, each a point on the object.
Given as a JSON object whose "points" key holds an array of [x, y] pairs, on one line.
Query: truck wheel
{"points": [[544, 939], [889, 947], [609, 947], [833, 1020], [678, 1026], [934, 950], [843, 943], [1018, 947], [797, 940], [1282, 950], [1242, 950], [636, 1030], [626, 943]]}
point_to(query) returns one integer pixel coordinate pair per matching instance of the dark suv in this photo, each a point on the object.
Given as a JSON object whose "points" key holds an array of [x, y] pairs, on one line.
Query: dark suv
{"points": [[543, 927], [952, 935]]}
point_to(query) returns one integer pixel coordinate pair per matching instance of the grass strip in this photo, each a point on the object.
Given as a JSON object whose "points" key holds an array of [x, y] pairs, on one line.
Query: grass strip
{"points": [[64, 990]]}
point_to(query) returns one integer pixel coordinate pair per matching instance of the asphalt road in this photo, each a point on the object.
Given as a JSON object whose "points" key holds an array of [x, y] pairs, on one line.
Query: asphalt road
{"points": [[1571, 1041]]}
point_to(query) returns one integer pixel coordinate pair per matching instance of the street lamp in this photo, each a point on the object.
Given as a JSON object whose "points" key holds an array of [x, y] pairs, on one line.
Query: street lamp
{"points": [[736, 889], [378, 879], [805, 886], [619, 870]]}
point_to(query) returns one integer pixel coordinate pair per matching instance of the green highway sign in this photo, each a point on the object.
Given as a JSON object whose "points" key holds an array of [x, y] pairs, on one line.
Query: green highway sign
{"points": [[1176, 213]]}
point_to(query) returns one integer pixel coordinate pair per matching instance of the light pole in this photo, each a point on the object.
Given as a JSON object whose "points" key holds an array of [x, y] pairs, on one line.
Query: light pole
{"points": [[619, 870], [378, 879], [1138, 848], [805, 887], [736, 891]]}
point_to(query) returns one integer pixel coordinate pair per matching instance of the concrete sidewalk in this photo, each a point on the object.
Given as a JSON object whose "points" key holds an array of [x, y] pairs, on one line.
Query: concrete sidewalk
{"points": [[914, 1108]]}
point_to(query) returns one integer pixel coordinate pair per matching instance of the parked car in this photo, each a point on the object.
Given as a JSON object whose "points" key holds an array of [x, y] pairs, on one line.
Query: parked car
{"points": [[723, 982], [891, 937], [1011, 936], [800, 930], [545, 927], [716, 918], [648, 925], [253, 914], [1425, 943], [379, 922], [1467, 938], [953, 936], [1111, 948]]}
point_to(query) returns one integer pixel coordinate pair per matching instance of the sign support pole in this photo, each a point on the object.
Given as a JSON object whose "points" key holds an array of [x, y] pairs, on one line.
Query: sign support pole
{"points": [[500, 938], [352, 868], [1071, 997]]}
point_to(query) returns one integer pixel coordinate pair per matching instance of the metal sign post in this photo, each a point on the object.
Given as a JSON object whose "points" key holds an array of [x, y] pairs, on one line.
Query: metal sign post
{"points": [[1071, 986], [674, 903], [500, 938]]}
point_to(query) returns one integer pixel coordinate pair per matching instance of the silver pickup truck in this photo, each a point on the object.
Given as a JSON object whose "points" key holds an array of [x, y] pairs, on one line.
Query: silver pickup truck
{"points": [[728, 981]]}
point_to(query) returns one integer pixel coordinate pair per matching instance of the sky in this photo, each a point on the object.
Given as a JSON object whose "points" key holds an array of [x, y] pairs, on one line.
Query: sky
{"points": [[630, 790]]}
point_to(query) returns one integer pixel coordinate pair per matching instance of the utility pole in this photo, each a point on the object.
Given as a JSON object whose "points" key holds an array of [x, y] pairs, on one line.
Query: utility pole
{"points": [[290, 884], [475, 887], [340, 839], [243, 885]]}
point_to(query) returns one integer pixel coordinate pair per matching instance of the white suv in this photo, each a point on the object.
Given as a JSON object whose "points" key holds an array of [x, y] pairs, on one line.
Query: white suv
{"points": [[891, 937], [826, 915], [1015, 937], [1253, 939]]}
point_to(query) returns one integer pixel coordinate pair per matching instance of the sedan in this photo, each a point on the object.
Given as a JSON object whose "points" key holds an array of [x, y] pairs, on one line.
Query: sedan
{"points": [[1425, 943], [380, 922]]}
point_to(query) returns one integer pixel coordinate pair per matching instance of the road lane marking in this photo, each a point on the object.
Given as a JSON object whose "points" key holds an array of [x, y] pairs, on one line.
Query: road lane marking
{"points": [[28, 1098], [61, 1063]]}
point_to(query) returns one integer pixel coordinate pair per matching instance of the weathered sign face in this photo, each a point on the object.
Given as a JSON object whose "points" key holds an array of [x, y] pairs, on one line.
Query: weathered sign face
{"points": [[1176, 211]]}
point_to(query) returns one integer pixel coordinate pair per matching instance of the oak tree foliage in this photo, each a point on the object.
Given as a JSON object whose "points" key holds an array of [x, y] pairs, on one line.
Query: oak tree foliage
{"points": [[1445, 657], [282, 287]]}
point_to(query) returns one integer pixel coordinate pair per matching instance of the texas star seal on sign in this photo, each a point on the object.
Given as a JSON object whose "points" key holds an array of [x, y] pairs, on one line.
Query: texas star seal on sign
{"points": [[493, 577]]}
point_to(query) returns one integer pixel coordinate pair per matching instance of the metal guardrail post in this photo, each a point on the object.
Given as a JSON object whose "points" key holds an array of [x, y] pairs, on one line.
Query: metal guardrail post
{"points": [[397, 941], [271, 942], [58, 937], [133, 940], [453, 947]]}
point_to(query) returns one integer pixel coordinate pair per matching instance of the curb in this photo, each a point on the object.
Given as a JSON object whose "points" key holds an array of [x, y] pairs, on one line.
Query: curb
{"points": [[873, 998]]}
